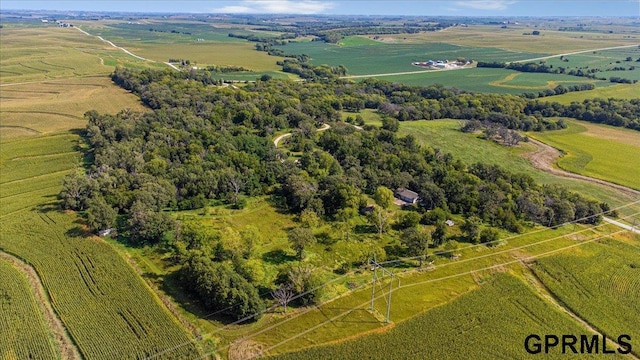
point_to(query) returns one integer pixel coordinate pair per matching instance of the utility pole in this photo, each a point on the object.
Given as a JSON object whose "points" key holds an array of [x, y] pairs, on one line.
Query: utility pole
{"points": [[374, 267]]}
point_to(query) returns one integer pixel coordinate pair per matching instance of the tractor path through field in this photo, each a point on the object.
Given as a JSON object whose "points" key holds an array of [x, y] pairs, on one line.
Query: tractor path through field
{"points": [[277, 140], [545, 156], [66, 347], [550, 297]]}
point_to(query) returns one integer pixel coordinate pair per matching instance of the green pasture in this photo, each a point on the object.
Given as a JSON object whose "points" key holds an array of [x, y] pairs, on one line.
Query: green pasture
{"points": [[25, 333], [385, 58], [609, 157], [470, 148], [600, 282], [474, 326]]}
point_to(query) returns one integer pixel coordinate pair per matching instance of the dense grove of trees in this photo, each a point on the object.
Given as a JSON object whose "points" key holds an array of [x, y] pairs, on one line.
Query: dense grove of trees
{"points": [[202, 143]]}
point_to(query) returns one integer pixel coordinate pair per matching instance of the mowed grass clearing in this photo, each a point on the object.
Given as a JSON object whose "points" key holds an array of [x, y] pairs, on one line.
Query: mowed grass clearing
{"points": [[598, 151], [25, 334]]}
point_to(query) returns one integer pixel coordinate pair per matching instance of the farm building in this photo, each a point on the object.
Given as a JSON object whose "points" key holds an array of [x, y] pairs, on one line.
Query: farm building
{"points": [[407, 195]]}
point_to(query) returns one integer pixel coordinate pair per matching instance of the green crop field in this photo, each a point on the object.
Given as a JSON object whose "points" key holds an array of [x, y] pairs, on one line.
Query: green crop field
{"points": [[600, 282], [618, 91], [477, 325], [106, 308], [391, 58], [599, 151], [492, 80], [25, 334]]}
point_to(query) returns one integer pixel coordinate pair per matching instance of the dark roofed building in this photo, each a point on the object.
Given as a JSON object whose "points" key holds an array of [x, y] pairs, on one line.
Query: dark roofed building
{"points": [[407, 195]]}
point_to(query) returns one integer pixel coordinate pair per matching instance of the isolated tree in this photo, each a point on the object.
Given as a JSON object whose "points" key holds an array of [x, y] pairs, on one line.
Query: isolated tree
{"points": [[379, 218], [439, 234], [471, 229], [489, 235], [100, 215], [451, 246], [416, 241], [300, 238], [383, 197], [283, 294]]}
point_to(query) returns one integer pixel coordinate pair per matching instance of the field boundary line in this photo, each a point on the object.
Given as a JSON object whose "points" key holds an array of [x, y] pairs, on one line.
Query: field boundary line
{"points": [[65, 345]]}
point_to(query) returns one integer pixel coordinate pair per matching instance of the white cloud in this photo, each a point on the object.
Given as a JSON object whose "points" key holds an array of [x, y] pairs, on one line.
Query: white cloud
{"points": [[277, 7], [485, 4]]}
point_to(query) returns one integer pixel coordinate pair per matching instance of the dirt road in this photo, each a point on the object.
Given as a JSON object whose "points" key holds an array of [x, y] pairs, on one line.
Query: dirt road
{"points": [[545, 157]]}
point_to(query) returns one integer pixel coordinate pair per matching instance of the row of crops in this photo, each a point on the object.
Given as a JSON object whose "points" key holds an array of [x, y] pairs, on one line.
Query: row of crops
{"points": [[24, 333], [106, 308], [491, 322], [601, 284]]}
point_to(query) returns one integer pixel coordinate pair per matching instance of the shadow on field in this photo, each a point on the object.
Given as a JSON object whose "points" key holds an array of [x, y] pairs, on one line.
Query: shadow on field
{"points": [[278, 256]]}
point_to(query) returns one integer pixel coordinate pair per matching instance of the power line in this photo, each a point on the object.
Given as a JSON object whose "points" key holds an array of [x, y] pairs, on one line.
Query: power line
{"points": [[424, 282], [382, 263]]}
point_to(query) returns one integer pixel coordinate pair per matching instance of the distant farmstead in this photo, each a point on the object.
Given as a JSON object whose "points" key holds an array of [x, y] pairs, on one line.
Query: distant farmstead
{"points": [[407, 195]]}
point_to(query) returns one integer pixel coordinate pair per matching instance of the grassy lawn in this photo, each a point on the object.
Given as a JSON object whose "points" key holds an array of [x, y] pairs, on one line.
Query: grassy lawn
{"points": [[599, 151]]}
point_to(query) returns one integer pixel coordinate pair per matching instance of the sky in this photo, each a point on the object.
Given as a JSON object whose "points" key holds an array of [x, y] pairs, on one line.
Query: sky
{"points": [[349, 7]]}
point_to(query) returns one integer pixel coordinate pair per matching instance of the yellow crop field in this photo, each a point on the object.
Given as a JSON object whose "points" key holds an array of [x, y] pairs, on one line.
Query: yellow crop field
{"points": [[512, 38]]}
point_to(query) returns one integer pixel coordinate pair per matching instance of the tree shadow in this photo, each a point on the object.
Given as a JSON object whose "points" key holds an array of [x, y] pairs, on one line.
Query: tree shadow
{"points": [[277, 257], [279, 203], [364, 229]]}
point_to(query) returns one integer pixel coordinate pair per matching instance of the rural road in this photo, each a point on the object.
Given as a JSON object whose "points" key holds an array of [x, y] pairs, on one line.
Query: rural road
{"points": [[576, 52], [125, 50], [545, 156], [279, 138]]}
